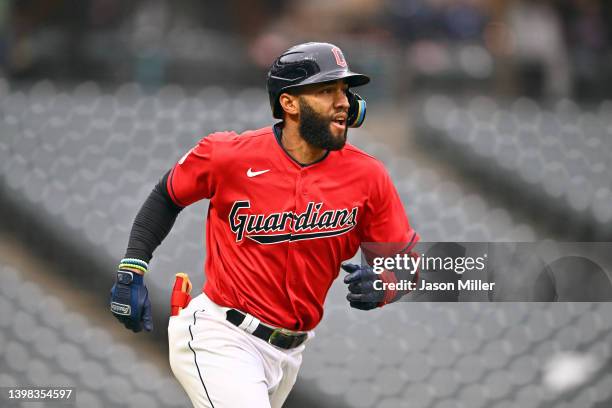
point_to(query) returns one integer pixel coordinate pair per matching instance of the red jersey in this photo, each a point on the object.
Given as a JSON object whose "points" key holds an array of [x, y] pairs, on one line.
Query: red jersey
{"points": [[277, 231]]}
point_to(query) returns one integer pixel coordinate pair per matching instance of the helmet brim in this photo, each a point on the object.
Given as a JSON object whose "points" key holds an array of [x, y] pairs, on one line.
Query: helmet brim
{"points": [[351, 78]]}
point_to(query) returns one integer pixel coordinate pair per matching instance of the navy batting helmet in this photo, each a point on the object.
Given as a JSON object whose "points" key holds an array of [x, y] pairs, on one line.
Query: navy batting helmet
{"points": [[313, 63]]}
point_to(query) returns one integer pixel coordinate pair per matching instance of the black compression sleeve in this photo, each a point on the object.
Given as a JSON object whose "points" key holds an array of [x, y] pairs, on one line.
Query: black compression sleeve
{"points": [[152, 223]]}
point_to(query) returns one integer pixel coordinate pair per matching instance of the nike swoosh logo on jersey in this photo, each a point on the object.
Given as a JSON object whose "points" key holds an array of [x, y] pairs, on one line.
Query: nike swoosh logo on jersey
{"points": [[251, 173]]}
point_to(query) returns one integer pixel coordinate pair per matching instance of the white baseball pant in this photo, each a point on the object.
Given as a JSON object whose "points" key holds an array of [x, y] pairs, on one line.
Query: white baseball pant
{"points": [[222, 366]]}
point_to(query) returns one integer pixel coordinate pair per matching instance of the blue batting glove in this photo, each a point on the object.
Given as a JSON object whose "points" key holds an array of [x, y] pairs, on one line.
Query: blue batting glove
{"points": [[129, 301], [362, 294]]}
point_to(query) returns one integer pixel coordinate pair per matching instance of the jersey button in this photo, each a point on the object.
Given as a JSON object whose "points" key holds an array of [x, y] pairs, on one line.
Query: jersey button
{"points": [[298, 185], [303, 183]]}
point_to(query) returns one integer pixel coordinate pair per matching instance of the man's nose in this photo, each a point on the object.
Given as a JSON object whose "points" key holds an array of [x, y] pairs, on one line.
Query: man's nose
{"points": [[342, 100]]}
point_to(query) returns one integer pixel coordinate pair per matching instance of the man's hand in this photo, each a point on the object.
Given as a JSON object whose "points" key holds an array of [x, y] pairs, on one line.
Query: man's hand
{"points": [[362, 294], [129, 301]]}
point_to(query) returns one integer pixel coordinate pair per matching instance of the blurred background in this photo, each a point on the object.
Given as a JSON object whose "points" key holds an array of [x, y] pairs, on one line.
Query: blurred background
{"points": [[494, 119]]}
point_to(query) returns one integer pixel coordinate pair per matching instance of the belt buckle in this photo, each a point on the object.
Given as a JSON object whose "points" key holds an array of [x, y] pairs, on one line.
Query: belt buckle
{"points": [[294, 340]]}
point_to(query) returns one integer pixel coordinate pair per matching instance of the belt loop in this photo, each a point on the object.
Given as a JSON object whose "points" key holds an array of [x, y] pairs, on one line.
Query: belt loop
{"points": [[253, 325], [250, 323], [248, 319]]}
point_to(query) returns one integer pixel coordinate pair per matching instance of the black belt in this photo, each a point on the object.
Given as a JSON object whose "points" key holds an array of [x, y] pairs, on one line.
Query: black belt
{"points": [[277, 337]]}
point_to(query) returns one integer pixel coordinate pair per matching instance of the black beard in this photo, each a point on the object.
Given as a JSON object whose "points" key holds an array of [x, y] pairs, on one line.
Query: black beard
{"points": [[314, 129]]}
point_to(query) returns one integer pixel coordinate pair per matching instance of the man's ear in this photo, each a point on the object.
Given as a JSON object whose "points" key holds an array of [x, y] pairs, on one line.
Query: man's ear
{"points": [[289, 103]]}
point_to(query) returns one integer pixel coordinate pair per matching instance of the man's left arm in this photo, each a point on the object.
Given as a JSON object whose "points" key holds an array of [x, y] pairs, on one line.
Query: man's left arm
{"points": [[384, 232]]}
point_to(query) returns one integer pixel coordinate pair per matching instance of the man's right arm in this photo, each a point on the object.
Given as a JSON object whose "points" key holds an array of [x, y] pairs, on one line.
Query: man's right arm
{"points": [[190, 180], [129, 301]]}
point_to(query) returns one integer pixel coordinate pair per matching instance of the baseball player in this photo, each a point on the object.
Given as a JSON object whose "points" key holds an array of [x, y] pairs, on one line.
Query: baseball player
{"points": [[288, 204]]}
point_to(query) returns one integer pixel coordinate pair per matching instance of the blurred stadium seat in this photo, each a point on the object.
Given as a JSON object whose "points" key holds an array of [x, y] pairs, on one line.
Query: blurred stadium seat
{"points": [[557, 160]]}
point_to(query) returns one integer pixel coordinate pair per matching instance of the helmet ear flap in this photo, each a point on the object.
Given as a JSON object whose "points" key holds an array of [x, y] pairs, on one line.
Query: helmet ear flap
{"points": [[357, 110]]}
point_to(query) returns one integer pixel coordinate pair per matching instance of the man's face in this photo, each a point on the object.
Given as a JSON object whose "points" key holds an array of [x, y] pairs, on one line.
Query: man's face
{"points": [[323, 114]]}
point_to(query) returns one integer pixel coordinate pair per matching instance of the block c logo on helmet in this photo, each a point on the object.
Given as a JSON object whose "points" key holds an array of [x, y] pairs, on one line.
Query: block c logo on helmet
{"points": [[339, 57]]}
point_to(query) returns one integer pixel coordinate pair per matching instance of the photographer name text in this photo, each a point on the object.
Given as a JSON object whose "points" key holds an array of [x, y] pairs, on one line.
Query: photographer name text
{"points": [[422, 284]]}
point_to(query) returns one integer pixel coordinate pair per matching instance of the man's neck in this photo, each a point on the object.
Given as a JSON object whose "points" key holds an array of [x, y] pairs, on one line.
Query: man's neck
{"points": [[297, 147]]}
